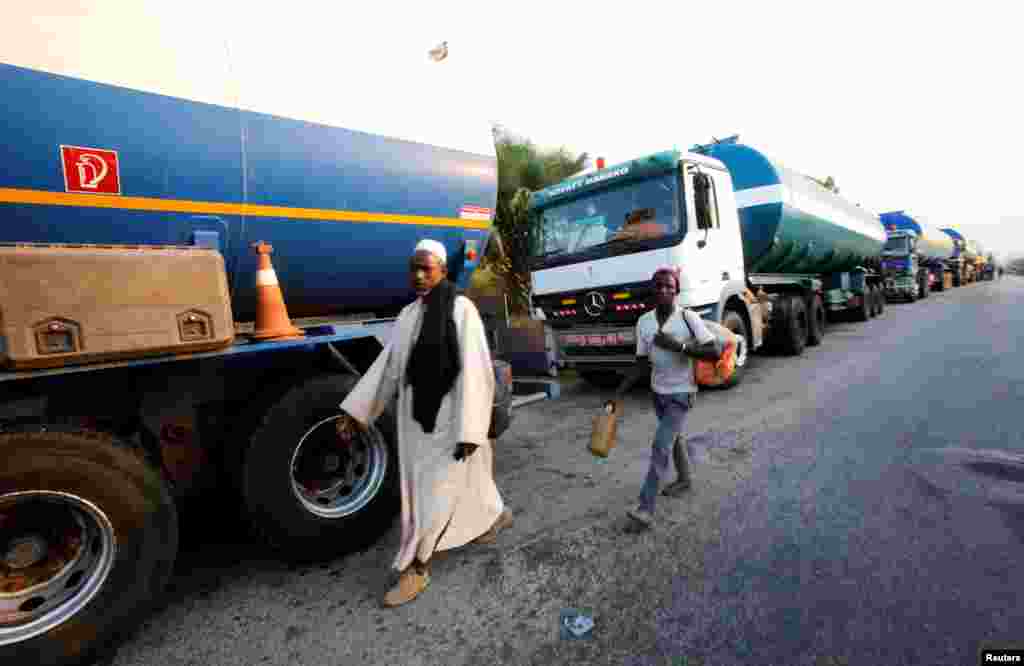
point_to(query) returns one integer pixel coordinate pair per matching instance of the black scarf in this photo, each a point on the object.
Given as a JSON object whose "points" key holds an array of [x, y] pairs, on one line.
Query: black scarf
{"points": [[435, 361]]}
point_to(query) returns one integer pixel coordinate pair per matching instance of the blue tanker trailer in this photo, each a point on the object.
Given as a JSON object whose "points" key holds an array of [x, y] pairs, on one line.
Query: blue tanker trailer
{"points": [[148, 138]]}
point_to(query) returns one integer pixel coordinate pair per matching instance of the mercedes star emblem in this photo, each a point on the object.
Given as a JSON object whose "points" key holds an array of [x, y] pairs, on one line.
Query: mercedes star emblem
{"points": [[594, 304]]}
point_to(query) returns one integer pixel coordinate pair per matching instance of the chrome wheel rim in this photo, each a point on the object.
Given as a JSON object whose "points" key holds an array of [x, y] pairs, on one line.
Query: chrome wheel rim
{"points": [[56, 552], [332, 479]]}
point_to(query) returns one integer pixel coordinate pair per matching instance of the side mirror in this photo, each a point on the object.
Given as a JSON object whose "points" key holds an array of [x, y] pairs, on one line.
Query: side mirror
{"points": [[701, 189]]}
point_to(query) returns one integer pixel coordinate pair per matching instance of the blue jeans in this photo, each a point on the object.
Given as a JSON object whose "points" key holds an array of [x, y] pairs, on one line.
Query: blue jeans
{"points": [[671, 411]]}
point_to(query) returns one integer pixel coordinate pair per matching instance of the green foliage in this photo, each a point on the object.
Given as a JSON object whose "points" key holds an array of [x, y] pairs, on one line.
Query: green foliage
{"points": [[523, 167]]}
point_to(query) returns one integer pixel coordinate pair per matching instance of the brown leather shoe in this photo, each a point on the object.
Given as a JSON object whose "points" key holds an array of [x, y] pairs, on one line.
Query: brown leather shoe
{"points": [[410, 584], [491, 535]]}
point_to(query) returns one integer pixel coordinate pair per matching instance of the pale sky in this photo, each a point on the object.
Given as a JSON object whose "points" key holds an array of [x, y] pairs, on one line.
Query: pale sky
{"points": [[908, 105]]}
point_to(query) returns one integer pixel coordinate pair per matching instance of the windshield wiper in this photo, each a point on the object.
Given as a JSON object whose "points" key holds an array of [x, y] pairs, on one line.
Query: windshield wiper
{"points": [[615, 241]]}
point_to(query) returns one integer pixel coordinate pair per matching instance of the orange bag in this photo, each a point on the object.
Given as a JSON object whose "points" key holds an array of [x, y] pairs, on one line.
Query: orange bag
{"points": [[716, 373], [603, 435]]}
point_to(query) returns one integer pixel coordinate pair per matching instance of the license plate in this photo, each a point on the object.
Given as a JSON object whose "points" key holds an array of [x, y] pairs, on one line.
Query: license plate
{"points": [[606, 339]]}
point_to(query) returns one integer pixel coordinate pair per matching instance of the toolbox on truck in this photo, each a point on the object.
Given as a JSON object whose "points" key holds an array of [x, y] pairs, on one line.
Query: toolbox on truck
{"points": [[74, 304]]}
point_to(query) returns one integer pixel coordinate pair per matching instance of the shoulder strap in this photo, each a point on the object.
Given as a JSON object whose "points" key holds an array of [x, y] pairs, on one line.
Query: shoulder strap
{"points": [[682, 313]]}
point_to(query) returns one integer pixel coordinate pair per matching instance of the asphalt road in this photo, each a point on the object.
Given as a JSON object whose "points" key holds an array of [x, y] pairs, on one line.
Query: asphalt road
{"points": [[861, 504]]}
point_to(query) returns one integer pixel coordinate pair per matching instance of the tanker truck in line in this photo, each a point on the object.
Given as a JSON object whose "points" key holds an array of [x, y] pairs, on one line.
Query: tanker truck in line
{"points": [[991, 267], [915, 257], [157, 162], [764, 251], [971, 256], [985, 266], [976, 255], [962, 261]]}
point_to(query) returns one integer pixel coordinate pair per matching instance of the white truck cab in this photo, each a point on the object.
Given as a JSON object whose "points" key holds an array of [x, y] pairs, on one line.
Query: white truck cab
{"points": [[594, 255]]}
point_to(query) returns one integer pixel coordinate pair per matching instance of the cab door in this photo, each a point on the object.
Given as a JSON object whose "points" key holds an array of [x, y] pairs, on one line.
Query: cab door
{"points": [[705, 250]]}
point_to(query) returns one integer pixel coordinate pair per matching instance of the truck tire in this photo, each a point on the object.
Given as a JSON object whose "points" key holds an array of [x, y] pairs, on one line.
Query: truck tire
{"points": [[796, 326], [602, 379], [307, 499], [93, 533], [733, 321], [816, 332]]}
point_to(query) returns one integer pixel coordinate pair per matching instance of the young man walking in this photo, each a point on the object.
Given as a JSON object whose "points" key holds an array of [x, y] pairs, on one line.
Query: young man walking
{"points": [[667, 339]]}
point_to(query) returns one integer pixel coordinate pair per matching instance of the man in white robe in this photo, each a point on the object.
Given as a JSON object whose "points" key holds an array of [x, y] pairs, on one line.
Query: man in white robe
{"points": [[446, 466]]}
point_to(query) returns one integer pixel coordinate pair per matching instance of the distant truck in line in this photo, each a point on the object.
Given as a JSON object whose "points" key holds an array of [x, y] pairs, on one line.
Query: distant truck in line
{"points": [[916, 256]]}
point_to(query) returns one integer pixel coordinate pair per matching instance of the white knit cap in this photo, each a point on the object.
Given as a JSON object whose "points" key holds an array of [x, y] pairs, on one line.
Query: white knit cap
{"points": [[434, 248]]}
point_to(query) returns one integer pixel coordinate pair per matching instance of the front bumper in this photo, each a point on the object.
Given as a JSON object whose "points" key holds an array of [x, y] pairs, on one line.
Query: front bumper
{"points": [[591, 347], [900, 287]]}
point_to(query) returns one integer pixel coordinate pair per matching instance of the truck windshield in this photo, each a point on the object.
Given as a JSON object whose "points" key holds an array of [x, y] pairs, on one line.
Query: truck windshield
{"points": [[644, 210], [897, 245]]}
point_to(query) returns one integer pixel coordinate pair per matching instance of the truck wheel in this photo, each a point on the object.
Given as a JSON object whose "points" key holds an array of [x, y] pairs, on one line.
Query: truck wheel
{"points": [[817, 320], [796, 326], [734, 322], [602, 379], [307, 498], [88, 537]]}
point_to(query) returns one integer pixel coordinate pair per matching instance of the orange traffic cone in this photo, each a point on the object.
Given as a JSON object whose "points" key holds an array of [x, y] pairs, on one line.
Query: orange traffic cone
{"points": [[272, 320]]}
